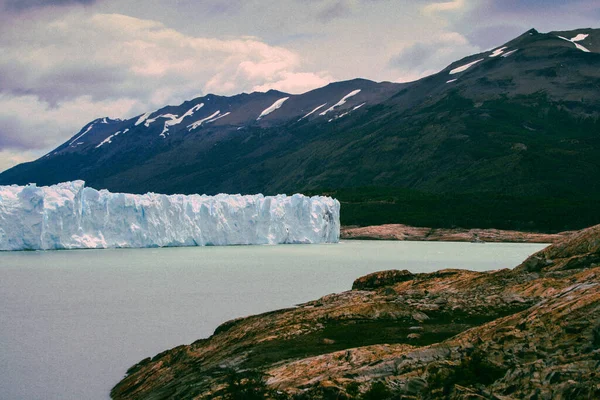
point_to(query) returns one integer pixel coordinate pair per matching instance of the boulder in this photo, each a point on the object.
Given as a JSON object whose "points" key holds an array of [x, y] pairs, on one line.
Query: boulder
{"points": [[382, 279]]}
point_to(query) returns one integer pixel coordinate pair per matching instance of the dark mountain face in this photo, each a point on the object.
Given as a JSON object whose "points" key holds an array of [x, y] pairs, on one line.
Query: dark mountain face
{"points": [[498, 134]]}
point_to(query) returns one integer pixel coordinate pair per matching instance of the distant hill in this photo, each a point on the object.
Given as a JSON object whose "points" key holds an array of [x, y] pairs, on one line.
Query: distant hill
{"points": [[508, 138]]}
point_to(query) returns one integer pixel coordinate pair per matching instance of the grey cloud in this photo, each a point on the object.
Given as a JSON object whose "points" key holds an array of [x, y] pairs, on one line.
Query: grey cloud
{"points": [[337, 9], [65, 82], [492, 36], [12, 135], [426, 57], [224, 7], [21, 5], [415, 56], [529, 5], [296, 37]]}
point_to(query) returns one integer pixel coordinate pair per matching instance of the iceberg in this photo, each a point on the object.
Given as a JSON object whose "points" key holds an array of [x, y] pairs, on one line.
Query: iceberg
{"points": [[70, 215]]}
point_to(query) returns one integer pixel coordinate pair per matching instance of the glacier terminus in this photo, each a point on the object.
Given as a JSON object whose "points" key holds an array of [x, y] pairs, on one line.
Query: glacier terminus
{"points": [[70, 215]]}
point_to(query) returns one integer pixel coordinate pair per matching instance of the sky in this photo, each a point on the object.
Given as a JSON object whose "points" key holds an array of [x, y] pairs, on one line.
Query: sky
{"points": [[64, 63]]}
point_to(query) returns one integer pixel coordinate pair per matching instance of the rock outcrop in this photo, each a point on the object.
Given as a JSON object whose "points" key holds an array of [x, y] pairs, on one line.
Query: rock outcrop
{"points": [[382, 279], [528, 333], [412, 233]]}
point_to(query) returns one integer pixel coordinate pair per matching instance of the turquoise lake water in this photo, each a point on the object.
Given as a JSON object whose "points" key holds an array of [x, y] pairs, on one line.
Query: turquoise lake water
{"points": [[72, 322]]}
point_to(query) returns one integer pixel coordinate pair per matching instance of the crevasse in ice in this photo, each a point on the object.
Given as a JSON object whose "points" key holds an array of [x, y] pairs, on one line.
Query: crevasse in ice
{"points": [[71, 216]]}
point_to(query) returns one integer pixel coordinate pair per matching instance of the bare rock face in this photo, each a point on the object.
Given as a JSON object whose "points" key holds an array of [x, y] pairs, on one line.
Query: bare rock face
{"points": [[580, 251], [528, 333], [381, 279]]}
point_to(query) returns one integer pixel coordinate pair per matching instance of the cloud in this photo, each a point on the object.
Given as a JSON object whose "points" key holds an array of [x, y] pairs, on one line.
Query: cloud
{"points": [[296, 82], [21, 5], [224, 7], [336, 9], [429, 56], [435, 8], [110, 56], [10, 158], [492, 36], [530, 5]]}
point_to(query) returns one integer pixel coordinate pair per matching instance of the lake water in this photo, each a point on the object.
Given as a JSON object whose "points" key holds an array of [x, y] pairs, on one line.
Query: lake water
{"points": [[72, 322]]}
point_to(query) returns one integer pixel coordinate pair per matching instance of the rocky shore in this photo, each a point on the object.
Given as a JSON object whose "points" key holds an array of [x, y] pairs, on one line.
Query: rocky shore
{"points": [[405, 232], [528, 333]]}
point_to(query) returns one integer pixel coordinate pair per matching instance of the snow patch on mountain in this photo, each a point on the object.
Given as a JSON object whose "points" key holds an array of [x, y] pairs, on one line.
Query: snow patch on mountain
{"points": [[178, 120], [341, 102], [582, 48], [508, 53], [273, 107], [152, 120], [576, 39], [219, 117], [89, 128], [200, 122], [579, 37], [497, 52], [464, 67], [313, 111], [108, 139], [71, 216], [359, 106], [452, 80], [143, 118]]}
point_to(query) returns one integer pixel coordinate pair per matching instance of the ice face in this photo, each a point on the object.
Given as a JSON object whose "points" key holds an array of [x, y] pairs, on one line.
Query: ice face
{"points": [[71, 216]]}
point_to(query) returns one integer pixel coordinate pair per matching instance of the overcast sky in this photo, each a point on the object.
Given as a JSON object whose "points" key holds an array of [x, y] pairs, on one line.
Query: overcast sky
{"points": [[64, 63]]}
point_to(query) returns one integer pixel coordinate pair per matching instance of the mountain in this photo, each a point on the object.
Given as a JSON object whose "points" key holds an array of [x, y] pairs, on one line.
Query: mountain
{"points": [[507, 138]]}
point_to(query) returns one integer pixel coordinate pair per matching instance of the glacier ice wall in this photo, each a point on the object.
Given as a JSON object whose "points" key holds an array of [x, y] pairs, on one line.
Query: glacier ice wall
{"points": [[71, 216]]}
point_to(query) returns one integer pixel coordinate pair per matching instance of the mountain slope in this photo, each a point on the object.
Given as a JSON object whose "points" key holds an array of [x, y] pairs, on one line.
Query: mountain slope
{"points": [[512, 130]]}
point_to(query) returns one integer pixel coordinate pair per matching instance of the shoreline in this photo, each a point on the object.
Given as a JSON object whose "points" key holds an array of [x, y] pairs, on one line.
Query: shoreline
{"points": [[525, 332], [400, 232]]}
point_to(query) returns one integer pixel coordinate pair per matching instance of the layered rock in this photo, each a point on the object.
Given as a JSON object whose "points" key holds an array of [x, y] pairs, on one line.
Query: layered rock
{"points": [[531, 332]]}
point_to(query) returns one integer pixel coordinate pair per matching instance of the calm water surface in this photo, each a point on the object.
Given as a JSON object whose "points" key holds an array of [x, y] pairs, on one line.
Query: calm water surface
{"points": [[72, 322]]}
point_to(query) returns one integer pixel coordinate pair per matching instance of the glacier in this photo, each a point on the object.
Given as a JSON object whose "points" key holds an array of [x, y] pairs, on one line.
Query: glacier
{"points": [[70, 215]]}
